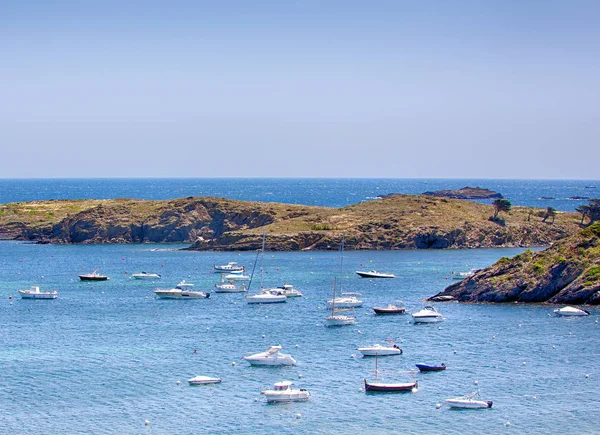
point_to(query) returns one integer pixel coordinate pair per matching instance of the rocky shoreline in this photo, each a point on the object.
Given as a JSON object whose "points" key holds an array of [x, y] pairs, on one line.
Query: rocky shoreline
{"points": [[395, 222]]}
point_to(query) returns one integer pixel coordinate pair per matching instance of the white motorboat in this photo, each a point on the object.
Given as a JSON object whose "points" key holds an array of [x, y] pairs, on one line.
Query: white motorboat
{"points": [[35, 293], [283, 392], [271, 357], [379, 350], [203, 380], [183, 290], [229, 287], [145, 275], [347, 300], [469, 402], [374, 274], [336, 319], [571, 311], [427, 315], [463, 275], [232, 266]]}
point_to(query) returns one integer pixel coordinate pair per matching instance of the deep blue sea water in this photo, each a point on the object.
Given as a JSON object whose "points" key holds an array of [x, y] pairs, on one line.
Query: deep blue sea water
{"points": [[105, 357], [331, 192]]}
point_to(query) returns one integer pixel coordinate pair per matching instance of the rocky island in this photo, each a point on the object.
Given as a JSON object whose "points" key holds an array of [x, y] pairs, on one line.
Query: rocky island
{"points": [[566, 273], [466, 193], [395, 222]]}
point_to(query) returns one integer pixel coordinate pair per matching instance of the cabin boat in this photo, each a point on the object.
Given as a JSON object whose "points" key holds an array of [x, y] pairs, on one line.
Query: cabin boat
{"points": [[203, 380], [35, 293], [94, 276], [229, 287], [283, 392], [288, 290], [379, 350], [271, 357], [427, 315], [266, 298], [145, 275], [571, 311], [183, 290], [230, 267], [347, 301], [374, 274]]}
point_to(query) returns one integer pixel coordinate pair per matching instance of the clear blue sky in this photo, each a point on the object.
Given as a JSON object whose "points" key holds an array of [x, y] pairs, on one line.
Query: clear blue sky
{"points": [[490, 89]]}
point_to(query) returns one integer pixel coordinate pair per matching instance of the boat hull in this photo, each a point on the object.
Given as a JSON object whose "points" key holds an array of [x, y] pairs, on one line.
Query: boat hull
{"points": [[381, 387], [93, 278], [271, 362], [427, 319], [204, 380], [380, 352], [333, 321], [265, 300], [388, 311], [44, 295], [342, 304], [375, 275], [276, 397], [167, 294], [146, 277]]}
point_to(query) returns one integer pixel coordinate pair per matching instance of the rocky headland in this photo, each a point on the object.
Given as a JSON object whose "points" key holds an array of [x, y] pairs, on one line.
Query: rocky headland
{"points": [[568, 272], [395, 222]]}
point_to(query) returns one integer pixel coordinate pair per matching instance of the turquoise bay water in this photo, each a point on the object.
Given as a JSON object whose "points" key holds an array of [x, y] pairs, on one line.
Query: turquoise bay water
{"points": [[104, 357]]}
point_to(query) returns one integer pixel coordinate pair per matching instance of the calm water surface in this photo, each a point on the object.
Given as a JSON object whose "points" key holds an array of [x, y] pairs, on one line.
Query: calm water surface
{"points": [[104, 357]]}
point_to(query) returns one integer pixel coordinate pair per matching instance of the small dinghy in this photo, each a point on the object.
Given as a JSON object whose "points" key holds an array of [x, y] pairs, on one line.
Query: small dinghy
{"points": [[203, 380], [430, 368], [469, 402]]}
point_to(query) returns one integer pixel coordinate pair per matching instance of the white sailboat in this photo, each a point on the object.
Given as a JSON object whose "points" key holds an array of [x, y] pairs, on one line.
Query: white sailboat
{"points": [[269, 297], [337, 319], [345, 300]]}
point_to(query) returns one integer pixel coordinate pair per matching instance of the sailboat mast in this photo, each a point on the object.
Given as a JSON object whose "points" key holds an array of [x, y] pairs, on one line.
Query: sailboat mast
{"points": [[333, 300], [376, 366], [341, 263], [262, 254]]}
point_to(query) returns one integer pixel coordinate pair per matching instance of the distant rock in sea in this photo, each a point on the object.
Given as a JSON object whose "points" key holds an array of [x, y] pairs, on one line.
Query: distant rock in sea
{"points": [[579, 198], [466, 193], [547, 197]]}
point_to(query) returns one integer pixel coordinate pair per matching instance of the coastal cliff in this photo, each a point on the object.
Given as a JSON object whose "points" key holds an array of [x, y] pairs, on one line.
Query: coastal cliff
{"points": [[566, 273], [396, 222]]}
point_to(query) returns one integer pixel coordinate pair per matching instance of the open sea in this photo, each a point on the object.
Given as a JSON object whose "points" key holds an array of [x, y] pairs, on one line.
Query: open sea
{"points": [[107, 357]]}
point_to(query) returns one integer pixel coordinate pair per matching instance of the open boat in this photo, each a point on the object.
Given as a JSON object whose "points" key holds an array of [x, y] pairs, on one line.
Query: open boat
{"points": [[271, 357], [203, 380], [427, 315], [230, 267], [94, 276], [571, 311], [183, 290], [469, 402], [374, 274], [35, 293], [390, 309], [229, 287], [431, 368], [463, 275], [378, 386], [283, 392], [145, 275]]}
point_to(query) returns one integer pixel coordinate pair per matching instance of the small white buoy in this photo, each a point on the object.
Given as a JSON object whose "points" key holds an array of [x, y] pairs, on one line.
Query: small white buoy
{"points": [[439, 327], [256, 399], [147, 422], [507, 424], [299, 375], [414, 390], [553, 347], [455, 352], [264, 335], [359, 331], [534, 397], [520, 326], [233, 363], [587, 376], [476, 382], [298, 415], [438, 405], [524, 363], [297, 346], [207, 328], [493, 337], [178, 382]]}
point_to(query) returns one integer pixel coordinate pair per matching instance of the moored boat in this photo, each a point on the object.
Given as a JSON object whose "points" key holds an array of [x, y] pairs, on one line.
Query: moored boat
{"points": [[35, 293], [379, 386], [283, 392], [427, 315], [271, 357], [571, 311], [203, 380], [183, 290], [379, 350], [469, 402], [374, 274], [145, 275], [230, 267], [390, 309], [94, 276], [431, 368]]}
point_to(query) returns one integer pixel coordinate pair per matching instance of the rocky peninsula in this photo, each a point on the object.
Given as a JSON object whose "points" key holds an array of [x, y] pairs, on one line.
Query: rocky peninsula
{"points": [[466, 193], [395, 222], [568, 272]]}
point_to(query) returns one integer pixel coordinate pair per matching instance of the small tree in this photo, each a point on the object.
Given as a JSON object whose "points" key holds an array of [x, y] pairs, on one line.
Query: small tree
{"points": [[550, 212], [500, 205], [584, 210], [594, 210]]}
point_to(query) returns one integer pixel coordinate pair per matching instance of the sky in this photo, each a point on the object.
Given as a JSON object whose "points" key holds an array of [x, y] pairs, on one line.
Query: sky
{"points": [[290, 88]]}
